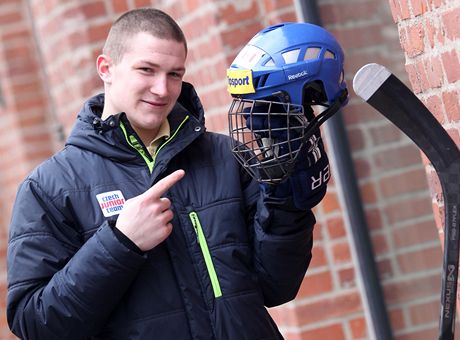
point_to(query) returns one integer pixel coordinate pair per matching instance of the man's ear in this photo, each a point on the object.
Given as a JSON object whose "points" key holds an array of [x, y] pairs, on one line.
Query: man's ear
{"points": [[104, 68]]}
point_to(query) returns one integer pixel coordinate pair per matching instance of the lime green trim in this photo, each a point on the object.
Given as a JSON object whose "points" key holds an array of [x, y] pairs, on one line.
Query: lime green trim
{"points": [[134, 143], [206, 254], [170, 138]]}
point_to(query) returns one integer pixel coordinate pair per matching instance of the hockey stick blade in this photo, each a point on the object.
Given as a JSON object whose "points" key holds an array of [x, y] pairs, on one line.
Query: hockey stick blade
{"points": [[388, 95]]}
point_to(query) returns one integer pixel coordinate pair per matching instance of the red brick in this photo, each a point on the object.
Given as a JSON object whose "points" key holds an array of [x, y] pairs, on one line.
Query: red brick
{"points": [[397, 157], [345, 12], [235, 13], [385, 268], [424, 313], [433, 33], [217, 123], [399, 10], [341, 252], [10, 17], [403, 183], [380, 244], [329, 308], [408, 289], [273, 5], [336, 228], [315, 284], [368, 37], [438, 213], [420, 260], [330, 203], [451, 65], [454, 133], [32, 103], [238, 36], [395, 7], [362, 167], [284, 316], [408, 209], [98, 32], [451, 100], [419, 334], [319, 258], [33, 140], [419, 7], [414, 78], [31, 85], [451, 22], [335, 332], [318, 229], [374, 219], [415, 234], [358, 328], [368, 193], [413, 40], [142, 3], [435, 106], [120, 6], [384, 134], [356, 139], [396, 317], [435, 186], [347, 278], [434, 71], [435, 3], [94, 9]]}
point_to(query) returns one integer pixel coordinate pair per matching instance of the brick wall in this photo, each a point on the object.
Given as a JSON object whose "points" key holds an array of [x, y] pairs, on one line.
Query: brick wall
{"points": [[47, 68], [25, 139], [430, 37]]}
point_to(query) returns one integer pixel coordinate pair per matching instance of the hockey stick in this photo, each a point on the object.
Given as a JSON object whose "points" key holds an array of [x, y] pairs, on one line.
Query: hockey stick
{"points": [[386, 93]]}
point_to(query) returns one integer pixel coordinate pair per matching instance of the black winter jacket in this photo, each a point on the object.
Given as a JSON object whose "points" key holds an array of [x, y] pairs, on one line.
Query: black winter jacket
{"points": [[232, 250]]}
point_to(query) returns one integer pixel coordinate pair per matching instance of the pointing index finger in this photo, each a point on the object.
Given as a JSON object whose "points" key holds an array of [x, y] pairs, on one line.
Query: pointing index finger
{"points": [[164, 184]]}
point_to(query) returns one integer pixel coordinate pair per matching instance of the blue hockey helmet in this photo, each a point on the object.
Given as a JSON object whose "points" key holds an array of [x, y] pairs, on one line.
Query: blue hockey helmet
{"points": [[276, 78], [289, 58]]}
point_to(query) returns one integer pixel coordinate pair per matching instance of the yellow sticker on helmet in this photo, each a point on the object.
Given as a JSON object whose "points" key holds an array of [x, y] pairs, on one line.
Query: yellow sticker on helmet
{"points": [[240, 81]]}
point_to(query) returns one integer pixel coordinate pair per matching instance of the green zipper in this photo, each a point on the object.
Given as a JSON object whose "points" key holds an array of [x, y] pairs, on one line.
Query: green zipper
{"points": [[206, 254], [135, 144]]}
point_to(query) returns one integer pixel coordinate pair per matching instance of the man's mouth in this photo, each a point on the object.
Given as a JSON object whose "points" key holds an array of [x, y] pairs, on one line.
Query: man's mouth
{"points": [[155, 103]]}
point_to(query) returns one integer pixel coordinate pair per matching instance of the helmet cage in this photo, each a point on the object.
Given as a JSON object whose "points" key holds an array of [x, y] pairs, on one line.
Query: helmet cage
{"points": [[267, 135], [268, 151]]}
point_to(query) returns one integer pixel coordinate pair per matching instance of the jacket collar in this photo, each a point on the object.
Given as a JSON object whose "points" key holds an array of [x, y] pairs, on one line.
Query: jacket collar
{"points": [[106, 138]]}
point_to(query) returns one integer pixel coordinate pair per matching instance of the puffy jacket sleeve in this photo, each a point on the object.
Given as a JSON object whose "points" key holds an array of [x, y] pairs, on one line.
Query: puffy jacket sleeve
{"points": [[59, 288], [282, 241]]}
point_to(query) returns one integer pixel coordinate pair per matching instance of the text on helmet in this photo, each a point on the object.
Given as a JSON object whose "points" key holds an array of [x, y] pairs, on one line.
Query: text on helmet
{"points": [[239, 81]]}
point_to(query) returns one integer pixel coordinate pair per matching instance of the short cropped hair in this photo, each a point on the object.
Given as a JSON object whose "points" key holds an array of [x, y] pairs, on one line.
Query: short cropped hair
{"points": [[148, 20]]}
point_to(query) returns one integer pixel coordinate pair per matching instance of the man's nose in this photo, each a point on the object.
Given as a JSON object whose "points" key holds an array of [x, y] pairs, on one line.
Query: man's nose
{"points": [[160, 85]]}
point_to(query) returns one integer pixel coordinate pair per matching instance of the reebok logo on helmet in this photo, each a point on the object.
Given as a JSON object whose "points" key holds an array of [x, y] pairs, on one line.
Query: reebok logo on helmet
{"points": [[297, 75]]}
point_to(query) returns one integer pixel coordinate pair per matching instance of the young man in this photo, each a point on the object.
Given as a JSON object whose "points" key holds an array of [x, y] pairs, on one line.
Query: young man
{"points": [[145, 226]]}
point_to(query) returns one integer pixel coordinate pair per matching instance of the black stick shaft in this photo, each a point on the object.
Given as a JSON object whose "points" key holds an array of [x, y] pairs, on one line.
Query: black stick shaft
{"points": [[386, 93]]}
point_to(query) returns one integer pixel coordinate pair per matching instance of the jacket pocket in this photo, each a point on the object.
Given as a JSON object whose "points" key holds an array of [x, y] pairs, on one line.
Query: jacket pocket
{"points": [[201, 239]]}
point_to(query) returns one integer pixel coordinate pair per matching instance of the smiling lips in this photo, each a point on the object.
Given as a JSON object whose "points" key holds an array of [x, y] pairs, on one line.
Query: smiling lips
{"points": [[154, 103]]}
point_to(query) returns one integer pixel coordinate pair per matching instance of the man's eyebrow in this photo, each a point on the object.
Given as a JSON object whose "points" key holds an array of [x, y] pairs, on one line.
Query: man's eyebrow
{"points": [[177, 69]]}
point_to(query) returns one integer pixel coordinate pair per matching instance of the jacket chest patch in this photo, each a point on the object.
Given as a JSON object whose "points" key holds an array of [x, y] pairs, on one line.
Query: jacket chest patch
{"points": [[111, 203]]}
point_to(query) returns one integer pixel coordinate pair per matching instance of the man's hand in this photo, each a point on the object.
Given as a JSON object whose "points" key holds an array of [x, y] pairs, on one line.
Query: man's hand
{"points": [[145, 219]]}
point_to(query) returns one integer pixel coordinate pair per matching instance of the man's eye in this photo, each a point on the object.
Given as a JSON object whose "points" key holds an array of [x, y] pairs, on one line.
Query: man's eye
{"points": [[146, 69]]}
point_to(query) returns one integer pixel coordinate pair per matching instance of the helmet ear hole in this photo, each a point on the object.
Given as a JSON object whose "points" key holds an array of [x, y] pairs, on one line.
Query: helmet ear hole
{"points": [[314, 93]]}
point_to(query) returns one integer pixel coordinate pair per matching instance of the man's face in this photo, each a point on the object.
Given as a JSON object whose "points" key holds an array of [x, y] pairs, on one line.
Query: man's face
{"points": [[146, 83]]}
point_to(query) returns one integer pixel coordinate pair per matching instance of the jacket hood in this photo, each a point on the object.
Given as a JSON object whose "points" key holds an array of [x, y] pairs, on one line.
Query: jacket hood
{"points": [[90, 132]]}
